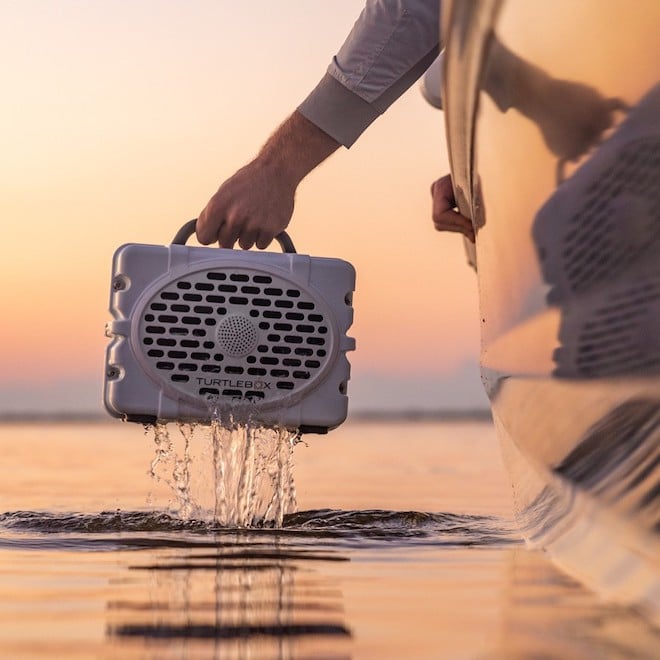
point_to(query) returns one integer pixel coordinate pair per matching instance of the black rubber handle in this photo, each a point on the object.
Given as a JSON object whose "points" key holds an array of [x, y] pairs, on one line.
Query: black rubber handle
{"points": [[189, 229]]}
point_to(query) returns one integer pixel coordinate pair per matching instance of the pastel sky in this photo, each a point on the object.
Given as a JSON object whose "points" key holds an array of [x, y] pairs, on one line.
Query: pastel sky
{"points": [[120, 119]]}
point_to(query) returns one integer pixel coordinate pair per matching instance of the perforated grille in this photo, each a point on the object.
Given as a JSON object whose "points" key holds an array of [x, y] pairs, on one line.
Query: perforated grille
{"points": [[617, 221], [236, 334]]}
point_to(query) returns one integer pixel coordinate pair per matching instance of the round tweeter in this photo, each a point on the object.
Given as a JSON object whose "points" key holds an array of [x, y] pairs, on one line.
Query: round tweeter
{"points": [[237, 335]]}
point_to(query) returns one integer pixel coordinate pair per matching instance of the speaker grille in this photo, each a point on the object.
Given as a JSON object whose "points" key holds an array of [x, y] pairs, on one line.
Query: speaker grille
{"points": [[238, 334]]}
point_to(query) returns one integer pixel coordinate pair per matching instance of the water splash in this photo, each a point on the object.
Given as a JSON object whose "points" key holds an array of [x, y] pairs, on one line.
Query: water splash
{"points": [[231, 474], [181, 473]]}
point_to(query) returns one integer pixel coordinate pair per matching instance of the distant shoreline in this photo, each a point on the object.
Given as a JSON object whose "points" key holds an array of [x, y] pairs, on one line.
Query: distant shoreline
{"points": [[359, 416], [479, 414]]}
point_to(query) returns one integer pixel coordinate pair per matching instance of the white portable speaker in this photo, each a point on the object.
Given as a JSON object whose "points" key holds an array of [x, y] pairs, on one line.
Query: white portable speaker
{"points": [[198, 332]]}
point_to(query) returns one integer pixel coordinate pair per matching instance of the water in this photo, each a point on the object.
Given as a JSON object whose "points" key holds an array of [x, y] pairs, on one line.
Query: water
{"points": [[402, 546], [232, 474]]}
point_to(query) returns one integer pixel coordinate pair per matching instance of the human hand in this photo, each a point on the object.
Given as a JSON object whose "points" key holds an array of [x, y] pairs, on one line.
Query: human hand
{"points": [[251, 207], [256, 203], [445, 215]]}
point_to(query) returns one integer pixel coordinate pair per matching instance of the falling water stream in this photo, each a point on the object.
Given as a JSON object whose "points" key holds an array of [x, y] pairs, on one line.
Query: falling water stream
{"points": [[230, 474]]}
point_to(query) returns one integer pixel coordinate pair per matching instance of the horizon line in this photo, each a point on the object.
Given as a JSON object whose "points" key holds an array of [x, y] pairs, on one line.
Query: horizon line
{"points": [[363, 415]]}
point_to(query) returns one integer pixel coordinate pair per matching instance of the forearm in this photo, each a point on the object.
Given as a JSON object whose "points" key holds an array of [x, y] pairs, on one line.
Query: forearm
{"points": [[256, 203], [296, 148], [389, 47]]}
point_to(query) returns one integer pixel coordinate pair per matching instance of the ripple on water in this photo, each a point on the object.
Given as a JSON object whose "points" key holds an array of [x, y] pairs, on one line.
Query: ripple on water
{"points": [[116, 529]]}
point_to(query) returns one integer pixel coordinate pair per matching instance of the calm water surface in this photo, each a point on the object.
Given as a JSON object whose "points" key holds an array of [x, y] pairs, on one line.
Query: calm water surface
{"points": [[402, 547]]}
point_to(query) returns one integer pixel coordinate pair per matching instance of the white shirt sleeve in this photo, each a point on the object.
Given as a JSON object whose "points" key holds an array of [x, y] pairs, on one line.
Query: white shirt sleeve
{"points": [[390, 46]]}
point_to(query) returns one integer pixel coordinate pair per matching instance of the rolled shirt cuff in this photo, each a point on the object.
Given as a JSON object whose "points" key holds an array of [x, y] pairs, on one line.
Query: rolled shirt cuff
{"points": [[344, 115], [337, 111]]}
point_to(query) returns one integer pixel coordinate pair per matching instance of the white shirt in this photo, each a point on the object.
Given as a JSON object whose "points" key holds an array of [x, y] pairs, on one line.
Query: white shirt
{"points": [[390, 46]]}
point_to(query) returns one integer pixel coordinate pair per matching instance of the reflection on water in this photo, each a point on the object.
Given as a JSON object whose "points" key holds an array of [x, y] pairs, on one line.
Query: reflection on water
{"points": [[194, 589], [414, 556], [256, 591], [243, 594], [546, 604]]}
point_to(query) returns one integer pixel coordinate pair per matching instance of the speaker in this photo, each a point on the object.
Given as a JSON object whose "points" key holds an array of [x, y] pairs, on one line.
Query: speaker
{"points": [[198, 332]]}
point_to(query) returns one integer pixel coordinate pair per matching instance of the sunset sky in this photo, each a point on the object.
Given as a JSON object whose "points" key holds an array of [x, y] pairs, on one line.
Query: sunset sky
{"points": [[119, 121]]}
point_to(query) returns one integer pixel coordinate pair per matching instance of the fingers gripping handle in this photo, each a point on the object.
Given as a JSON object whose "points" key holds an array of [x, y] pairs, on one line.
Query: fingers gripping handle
{"points": [[189, 229]]}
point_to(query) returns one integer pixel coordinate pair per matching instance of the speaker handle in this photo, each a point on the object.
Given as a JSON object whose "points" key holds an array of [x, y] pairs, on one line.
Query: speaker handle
{"points": [[189, 229]]}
